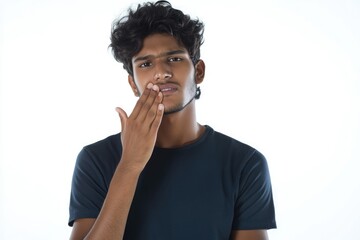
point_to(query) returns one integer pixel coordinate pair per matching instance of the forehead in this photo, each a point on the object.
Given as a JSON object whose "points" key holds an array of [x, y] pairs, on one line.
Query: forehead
{"points": [[156, 44]]}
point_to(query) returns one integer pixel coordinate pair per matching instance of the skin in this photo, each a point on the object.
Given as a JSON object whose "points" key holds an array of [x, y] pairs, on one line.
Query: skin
{"points": [[165, 81]]}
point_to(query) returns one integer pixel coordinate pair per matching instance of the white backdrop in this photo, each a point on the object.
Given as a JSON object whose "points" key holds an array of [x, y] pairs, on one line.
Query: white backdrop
{"points": [[282, 76]]}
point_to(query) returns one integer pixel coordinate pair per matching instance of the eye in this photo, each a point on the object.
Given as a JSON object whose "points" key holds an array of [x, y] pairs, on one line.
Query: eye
{"points": [[174, 59], [145, 64]]}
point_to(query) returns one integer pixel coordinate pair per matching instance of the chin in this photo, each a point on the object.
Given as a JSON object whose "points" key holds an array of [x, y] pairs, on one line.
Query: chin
{"points": [[176, 108], [172, 110]]}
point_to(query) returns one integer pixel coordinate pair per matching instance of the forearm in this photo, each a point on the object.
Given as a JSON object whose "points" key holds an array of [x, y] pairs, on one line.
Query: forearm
{"points": [[111, 221]]}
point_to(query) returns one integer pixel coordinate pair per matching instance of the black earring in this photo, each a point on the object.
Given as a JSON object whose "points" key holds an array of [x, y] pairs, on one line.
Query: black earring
{"points": [[198, 93]]}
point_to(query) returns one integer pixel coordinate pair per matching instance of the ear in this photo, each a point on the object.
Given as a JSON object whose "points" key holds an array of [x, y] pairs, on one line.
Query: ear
{"points": [[199, 71], [133, 86]]}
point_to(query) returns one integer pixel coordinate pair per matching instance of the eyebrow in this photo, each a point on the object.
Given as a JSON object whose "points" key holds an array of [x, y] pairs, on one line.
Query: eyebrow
{"points": [[169, 53]]}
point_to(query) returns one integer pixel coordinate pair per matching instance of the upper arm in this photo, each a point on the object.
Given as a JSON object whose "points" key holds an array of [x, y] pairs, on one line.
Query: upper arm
{"points": [[254, 206], [249, 235], [81, 228], [88, 188]]}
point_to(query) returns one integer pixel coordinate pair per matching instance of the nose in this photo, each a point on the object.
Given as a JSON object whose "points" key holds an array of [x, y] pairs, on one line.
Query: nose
{"points": [[162, 72]]}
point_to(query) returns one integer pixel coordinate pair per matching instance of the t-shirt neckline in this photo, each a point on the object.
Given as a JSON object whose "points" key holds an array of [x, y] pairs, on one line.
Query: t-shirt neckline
{"points": [[197, 142]]}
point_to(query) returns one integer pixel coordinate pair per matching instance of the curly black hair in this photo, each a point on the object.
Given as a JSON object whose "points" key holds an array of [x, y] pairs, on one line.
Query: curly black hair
{"points": [[128, 32]]}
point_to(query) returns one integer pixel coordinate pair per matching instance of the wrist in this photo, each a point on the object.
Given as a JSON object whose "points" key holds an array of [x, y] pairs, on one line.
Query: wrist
{"points": [[129, 167]]}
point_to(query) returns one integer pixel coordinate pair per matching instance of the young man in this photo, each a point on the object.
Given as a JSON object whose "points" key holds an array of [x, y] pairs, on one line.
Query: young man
{"points": [[165, 176]]}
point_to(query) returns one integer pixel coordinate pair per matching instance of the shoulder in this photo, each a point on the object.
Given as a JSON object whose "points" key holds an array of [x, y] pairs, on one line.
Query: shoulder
{"points": [[240, 155], [225, 139], [112, 141], [233, 145], [103, 153]]}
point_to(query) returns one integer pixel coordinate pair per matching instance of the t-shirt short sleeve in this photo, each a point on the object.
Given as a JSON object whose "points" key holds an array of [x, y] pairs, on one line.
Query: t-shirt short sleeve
{"points": [[254, 208], [88, 189]]}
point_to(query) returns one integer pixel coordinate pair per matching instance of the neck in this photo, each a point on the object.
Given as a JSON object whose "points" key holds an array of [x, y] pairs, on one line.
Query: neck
{"points": [[179, 128]]}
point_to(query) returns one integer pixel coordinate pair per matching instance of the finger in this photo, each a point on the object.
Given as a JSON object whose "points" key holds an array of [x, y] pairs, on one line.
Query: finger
{"points": [[151, 114], [158, 118], [139, 104], [123, 117], [148, 106]]}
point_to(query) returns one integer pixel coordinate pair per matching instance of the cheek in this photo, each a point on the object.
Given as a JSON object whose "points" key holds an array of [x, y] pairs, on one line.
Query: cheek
{"points": [[186, 71], [139, 82], [189, 75]]}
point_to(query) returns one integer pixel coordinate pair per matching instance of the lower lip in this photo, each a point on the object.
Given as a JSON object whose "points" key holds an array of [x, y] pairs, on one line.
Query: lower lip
{"points": [[169, 92]]}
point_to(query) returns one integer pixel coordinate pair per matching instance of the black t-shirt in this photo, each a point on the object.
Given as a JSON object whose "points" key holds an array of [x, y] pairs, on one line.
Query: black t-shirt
{"points": [[203, 190]]}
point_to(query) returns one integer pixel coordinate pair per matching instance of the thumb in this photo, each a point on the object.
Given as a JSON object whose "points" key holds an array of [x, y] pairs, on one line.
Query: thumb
{"points": [[123, 117]]}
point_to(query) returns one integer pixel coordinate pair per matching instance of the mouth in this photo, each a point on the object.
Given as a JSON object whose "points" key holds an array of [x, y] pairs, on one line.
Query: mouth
{"points": [[168, 89]]}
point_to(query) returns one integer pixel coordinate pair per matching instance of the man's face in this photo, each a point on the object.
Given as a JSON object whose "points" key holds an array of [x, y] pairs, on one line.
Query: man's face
{"points": [[164, 62]]}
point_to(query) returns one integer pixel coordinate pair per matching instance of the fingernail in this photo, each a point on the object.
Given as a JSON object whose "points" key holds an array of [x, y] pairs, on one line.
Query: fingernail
{"points": [[161, 107], [155, 88], [150, 85]]}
